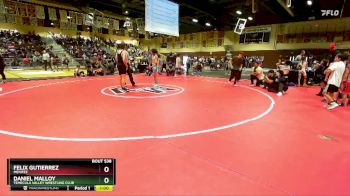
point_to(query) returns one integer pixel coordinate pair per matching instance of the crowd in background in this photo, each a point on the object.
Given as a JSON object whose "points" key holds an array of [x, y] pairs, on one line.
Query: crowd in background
{"points": [[97, 56]]}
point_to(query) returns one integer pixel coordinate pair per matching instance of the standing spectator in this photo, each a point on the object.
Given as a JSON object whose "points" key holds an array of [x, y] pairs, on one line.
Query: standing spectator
{"points": [[302, 65], [2, 68], [65, 62], [46, 59], [99, 59], [320, 76], [236, 65], [300, 56], [178, 64], [54, 63], [334, 73]]}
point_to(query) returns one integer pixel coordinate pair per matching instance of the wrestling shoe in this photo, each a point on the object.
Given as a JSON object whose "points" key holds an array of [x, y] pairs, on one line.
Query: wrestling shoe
{"points": [[279, 94], [125, 89], [332, 105]]}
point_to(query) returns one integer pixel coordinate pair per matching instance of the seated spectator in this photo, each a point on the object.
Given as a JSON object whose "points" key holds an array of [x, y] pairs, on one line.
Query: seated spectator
{"points": [[282, 82], [90, 71], [270, 81], [258, 75], [99, 71], [78, 72], [26, 61]]}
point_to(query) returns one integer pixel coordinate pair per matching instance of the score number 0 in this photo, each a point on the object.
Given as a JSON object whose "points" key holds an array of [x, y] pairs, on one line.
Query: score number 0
{"points": [[106, 170]]}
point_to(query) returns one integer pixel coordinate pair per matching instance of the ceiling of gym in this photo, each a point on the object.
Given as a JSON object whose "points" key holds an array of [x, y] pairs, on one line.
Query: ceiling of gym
{"points": [[222, 13]]}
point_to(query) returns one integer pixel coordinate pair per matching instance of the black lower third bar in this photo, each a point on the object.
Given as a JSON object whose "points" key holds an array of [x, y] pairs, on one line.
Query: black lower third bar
{"points": [[53, 188]]}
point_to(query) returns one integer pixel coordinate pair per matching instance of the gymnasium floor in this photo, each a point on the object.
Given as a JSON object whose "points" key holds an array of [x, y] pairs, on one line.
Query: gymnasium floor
{"points": [[200, 137]]}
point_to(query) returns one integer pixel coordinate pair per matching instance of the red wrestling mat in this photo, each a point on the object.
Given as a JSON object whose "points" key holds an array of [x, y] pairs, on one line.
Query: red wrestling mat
{"points": [[195, 135]]}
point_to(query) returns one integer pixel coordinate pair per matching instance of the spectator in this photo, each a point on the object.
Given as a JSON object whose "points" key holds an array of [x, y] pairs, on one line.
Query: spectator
{"points": [[258, 74], [334, 73], [236, 65], [282, 82], [2, 68], [320, 76], [65, 62], [178, 64], [90, 71], [270, 82], [99, 71], [346, 85], [78, 72], [300, 56], [54, 63], [46, 59], [302, 65]]}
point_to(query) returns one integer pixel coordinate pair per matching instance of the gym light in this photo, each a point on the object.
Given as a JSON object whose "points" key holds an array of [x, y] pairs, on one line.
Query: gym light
{"points": [[238, 12], [309, 2], [126, 12], [250, 18], [194, 20], [207, 24]]}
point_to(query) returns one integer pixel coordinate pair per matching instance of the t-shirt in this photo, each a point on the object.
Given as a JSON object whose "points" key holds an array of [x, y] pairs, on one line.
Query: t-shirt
{"points": [[178, 62], [236, 63], [46, 56], [284, 68], [336, 76], [260, 72]]}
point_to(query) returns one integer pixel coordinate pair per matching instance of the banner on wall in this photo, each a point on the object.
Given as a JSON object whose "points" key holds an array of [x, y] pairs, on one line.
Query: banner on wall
{"points": [[80, 19], [40, 12], [72, 17], [2, 18], [110, 22], [88, 19], [73, 27], [52, 13], [10, 18], [21, 9], [98, 22], [63, 16], [31, 10], [63, 25], [116, 24], [2, 7], [33, 21], [105, 23]]}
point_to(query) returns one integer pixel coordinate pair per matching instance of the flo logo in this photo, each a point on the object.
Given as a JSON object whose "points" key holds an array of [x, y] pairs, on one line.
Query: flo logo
{"points": [[143, 91], [155, 90], [330, 12]]}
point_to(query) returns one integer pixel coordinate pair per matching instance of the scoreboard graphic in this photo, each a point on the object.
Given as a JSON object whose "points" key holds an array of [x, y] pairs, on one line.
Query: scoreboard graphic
{"points": [[61, 174]]}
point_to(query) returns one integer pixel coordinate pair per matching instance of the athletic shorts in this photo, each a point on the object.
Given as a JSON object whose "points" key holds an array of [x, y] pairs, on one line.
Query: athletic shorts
{"points": [[347, 87], [332, 88], [302, 72], [155, 69], [121, 70]]}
